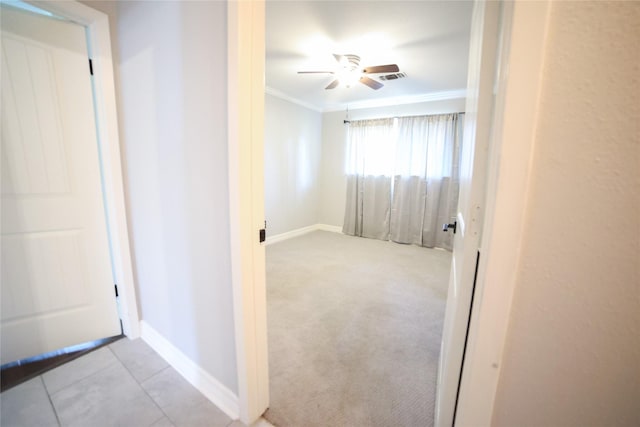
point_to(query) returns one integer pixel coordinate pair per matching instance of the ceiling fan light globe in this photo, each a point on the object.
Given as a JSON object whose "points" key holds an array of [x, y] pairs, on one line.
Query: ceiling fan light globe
{"points": [[349, 72], [351, 78]]}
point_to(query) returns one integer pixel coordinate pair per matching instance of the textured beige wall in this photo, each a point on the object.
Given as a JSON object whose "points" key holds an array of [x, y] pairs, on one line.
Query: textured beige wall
{"points": [[573, 348]]}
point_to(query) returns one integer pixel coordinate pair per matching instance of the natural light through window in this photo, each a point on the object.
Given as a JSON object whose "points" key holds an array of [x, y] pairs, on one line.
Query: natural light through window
{"points": [[407, 146]]}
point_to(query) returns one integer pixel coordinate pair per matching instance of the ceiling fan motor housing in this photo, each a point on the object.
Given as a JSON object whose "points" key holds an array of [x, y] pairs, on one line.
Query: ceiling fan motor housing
{"points": [[351, 72]]}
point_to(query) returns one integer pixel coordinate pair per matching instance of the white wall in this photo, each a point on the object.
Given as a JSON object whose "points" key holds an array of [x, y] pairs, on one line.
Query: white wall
{"points": [[573, 349], [333, 184], [171, 86], [292, 151]]}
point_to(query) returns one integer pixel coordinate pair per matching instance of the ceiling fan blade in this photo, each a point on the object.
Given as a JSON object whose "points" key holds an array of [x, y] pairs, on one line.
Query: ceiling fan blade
{"points": [[333, 84], [315, 72], [371, 83], [391, 68]]}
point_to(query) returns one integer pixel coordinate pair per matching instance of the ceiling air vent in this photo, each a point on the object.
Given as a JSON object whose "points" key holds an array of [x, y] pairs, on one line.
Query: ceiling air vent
{"points": [[394, 76]]}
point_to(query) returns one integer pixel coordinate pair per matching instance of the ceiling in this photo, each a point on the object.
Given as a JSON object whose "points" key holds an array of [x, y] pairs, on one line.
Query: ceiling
{"points": [[429, 40]]}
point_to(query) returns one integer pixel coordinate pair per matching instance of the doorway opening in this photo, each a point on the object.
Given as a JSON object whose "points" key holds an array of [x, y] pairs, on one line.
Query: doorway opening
{"points": [[522, 29], [301, 149]]}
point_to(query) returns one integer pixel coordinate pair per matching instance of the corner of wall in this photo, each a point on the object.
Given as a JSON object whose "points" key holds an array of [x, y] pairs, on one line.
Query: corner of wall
{"points": [[211, 388]]}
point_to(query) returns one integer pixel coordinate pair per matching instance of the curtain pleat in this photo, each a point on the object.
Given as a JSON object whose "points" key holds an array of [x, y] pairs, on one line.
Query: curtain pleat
{"points": [[407, 212], [352, 224], [376, 207], [368, 207], [440, 209]]}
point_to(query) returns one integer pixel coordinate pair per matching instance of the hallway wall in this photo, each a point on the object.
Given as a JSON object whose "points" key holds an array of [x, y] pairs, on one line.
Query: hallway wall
{"points": [[171, 95], [573, 345]]}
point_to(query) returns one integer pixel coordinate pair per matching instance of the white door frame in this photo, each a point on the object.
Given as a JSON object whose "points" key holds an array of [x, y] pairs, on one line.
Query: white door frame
{"points": [[518, 87], [246, 57], [99, 47], [510, 151]]}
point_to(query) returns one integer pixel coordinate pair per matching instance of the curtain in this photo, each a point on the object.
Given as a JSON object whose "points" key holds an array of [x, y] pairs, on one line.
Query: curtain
{"points": [[368, 207], [403, 178]]}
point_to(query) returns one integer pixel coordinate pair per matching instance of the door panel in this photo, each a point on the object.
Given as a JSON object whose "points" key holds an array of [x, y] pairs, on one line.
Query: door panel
{"points": [[57, 285], [473, 158], [32, 126]]}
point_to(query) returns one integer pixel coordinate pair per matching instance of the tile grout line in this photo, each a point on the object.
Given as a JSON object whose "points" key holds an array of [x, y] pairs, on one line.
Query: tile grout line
{"points": [[204, 401], [46, 390], [80, 379], [125, 366], [50, 396], [153, 400], [164, 414]]}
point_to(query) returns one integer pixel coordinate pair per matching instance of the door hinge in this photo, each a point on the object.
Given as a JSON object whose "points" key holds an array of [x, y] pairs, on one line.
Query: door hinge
{"points": [[90, 66], [116, 288], [263, 233]]}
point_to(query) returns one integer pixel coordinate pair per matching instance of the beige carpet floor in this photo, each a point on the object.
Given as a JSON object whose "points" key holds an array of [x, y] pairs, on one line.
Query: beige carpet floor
{"points": [[354, 331]]}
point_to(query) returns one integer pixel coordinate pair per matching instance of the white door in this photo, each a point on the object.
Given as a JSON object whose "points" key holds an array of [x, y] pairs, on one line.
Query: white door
{"points": [[477, 129], [56, 284]]}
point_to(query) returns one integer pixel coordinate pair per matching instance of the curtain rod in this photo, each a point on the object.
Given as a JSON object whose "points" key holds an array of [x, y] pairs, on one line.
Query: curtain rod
{"points": [[458, 112]]}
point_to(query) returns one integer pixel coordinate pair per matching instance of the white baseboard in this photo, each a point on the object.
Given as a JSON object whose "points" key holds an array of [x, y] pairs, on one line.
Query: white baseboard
{"points": [[211, 388], [300, 231], [331, 228]]}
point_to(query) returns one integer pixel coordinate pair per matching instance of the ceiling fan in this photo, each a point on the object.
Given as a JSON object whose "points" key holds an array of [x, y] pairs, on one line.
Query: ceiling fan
{"points": [[350, 72]]}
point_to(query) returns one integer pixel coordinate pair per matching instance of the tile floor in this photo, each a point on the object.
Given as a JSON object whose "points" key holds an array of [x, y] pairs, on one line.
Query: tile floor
{"points": [[123, 384]]}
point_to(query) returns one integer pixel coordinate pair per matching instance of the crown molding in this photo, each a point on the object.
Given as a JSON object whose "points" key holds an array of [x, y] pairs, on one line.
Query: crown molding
{"points": [[398, 100], [278, 94], [372, 103]]}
